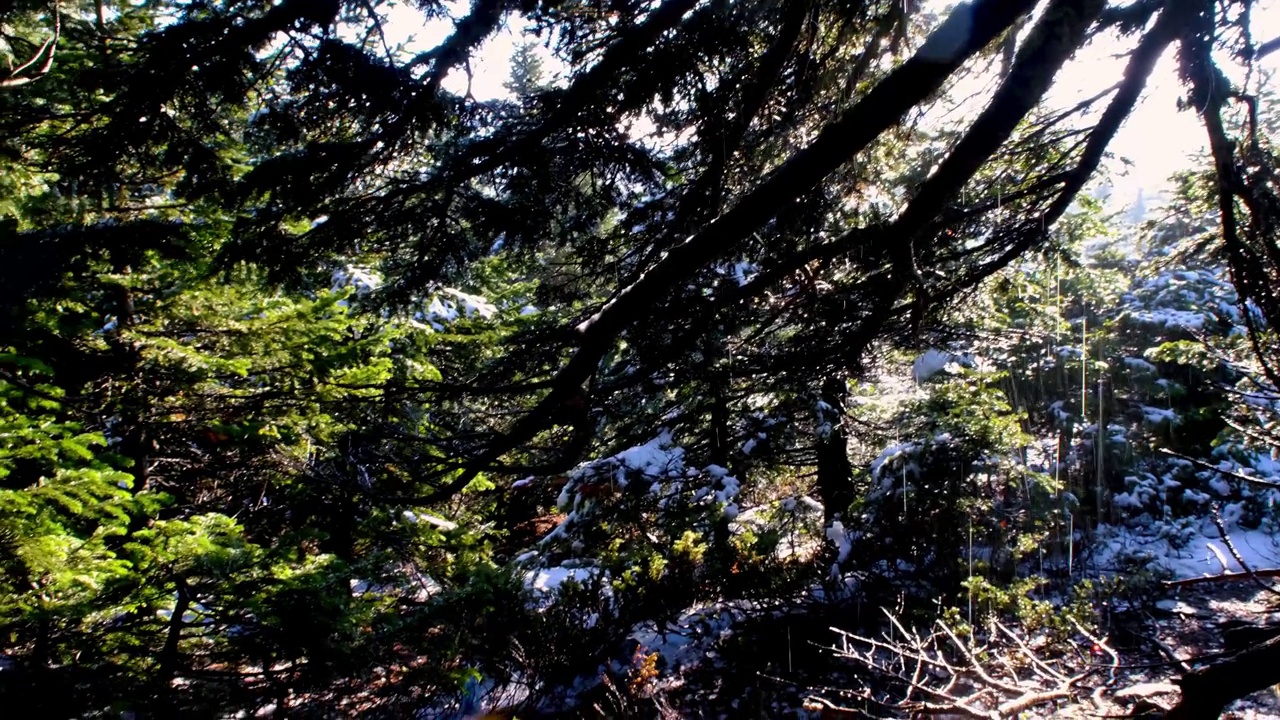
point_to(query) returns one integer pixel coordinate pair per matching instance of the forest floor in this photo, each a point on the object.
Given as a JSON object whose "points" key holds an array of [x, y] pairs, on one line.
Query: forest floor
{"points": [[1156, 637], [1157, 643], [1154, 645], [1171, 610]]}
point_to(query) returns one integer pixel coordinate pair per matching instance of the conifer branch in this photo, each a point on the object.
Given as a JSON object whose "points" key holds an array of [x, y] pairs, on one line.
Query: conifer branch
{"points": [[44, 55]]}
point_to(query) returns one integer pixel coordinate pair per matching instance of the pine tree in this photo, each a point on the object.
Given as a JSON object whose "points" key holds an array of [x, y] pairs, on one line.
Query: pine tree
{"points": [[302, 352], [527, 75]]}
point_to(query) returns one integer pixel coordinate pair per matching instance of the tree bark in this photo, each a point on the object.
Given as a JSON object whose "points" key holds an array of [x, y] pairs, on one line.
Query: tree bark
{"points": [[1207, 691], [170, 654], [835, 473]]}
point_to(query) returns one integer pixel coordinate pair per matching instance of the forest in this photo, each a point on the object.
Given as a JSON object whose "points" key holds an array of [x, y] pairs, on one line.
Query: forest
{"points": [[739, 358]]}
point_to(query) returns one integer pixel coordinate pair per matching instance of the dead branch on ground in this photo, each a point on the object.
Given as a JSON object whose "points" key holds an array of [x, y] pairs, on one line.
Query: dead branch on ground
{"points": [[1222, 577], [1235, 554], [998, 674]]}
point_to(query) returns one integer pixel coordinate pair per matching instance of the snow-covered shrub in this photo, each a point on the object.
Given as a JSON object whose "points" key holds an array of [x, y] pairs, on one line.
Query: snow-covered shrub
{"points": [[1223, 479], [656, 525], [953, 495], [784, 530]]}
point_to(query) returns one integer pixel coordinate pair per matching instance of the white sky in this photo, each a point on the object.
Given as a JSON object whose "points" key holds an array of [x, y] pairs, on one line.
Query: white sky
{"points": [[1157, 138]]}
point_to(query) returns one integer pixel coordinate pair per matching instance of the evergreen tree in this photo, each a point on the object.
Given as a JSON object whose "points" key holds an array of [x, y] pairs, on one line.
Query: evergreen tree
{"points": [[527, 76], [307, 361]]}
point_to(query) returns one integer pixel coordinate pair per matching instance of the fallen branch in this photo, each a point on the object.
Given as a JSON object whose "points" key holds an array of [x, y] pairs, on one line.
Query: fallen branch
{"points": [[1231, 547], [943, 673], [1223, 577]]}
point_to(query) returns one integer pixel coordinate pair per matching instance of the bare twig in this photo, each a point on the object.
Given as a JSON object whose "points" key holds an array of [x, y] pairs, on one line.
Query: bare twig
{"points": [[1168, 652], [941, 673], [1101, 644], [1223, 577], [973, 661], [1048, 671]]}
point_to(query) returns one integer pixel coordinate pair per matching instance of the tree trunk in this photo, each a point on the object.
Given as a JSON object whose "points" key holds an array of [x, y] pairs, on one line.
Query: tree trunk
{"points": [[1207, 691], [835, 473], [166, 700]]}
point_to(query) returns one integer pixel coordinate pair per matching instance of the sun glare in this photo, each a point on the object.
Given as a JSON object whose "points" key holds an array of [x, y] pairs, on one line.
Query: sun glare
{"points": [[1157, 140]]}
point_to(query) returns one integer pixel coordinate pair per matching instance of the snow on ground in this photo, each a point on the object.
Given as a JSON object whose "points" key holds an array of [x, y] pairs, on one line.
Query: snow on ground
{"points": [[546, 580], [1206, 554], [688, 641]]}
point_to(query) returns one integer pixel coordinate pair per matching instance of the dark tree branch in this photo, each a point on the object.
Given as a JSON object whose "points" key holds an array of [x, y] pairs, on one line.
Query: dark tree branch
{"points": [[1252, 252], [469, 32], [971, 27], [1167, 28], [1170, 24], [1266, 48], [707, 191], [1055, 37]]}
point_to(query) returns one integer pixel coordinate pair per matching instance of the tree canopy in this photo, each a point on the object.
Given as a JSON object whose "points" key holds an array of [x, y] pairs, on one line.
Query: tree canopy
{"points": [[303, 344]]}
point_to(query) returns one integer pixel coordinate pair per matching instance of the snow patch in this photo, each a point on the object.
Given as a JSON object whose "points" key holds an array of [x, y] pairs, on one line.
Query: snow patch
{"points": [[933, 361], [547, 580], [362, 279]]}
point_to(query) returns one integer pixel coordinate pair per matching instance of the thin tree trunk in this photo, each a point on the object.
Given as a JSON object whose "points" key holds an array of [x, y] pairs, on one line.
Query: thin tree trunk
{"points": [[835, 473], [166, 699]]}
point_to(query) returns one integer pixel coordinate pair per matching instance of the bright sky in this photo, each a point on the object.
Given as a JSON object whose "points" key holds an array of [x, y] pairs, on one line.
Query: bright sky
{"points": [[490, 68], [1157, 138]]}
